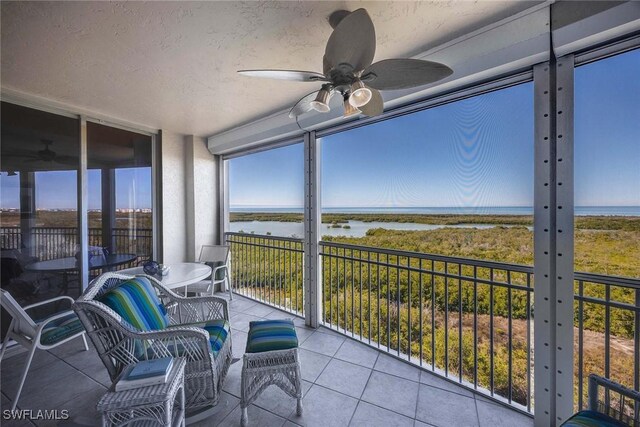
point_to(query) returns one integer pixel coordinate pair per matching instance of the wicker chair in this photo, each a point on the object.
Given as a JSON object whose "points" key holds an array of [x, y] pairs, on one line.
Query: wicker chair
{"points": [[119, 344], [615, 406]]}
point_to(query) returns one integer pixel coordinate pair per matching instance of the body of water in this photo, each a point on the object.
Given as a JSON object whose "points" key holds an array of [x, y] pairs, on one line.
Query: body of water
{"points": [[358, 228]]}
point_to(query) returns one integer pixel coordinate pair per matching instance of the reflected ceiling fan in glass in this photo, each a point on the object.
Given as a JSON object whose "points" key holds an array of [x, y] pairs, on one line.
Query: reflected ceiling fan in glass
{"points": [[46, 155], [348, 69]]}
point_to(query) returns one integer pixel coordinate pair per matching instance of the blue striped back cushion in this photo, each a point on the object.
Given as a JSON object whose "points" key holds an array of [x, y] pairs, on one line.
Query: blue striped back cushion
{"points": [[269, 335], [136, 302]]}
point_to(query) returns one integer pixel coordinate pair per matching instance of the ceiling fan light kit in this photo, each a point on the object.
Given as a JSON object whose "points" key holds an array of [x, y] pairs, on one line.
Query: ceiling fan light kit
{"points": [[348, 68]]}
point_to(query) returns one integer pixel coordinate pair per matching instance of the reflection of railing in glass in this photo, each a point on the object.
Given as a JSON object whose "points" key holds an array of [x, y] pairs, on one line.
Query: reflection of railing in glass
{"points": [[435, 311], [58, 242]]}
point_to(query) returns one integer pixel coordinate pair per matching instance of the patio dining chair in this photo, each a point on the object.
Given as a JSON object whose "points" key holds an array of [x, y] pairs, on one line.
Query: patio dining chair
{"points": [[45, 334], [135, 318], [219, 256]]}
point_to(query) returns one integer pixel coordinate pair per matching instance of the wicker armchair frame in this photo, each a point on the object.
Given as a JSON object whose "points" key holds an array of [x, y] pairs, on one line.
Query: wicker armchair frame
{"points": [[120, 344]]}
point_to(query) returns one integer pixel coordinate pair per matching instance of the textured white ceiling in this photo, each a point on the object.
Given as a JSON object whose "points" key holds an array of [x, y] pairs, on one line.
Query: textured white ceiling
{"points": [[172, 65]]}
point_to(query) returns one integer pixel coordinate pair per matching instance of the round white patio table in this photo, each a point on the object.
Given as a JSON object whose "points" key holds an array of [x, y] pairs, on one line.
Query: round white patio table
{"points": [[180, 275]]}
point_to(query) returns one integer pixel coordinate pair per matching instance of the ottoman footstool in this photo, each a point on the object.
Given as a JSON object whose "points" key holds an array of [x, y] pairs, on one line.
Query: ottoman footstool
{"points": [[271, 358]]}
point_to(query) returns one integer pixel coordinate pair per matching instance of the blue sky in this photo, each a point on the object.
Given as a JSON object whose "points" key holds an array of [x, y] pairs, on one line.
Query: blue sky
{"points": [[57, 189], [473, 153], [607, 131]]}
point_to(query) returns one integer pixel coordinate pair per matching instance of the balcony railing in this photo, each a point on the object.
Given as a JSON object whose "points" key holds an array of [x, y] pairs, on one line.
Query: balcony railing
{"points": [[470, 321], [58, 242], [268, 269]]}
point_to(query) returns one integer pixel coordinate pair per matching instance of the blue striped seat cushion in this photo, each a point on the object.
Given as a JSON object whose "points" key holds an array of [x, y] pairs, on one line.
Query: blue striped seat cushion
{"points": [[269, 335], [218, 330], [61, 329], [591, 419], [136, 301]]}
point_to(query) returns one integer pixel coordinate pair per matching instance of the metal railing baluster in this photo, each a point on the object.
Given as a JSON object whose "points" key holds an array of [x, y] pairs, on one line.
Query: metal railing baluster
{"points": [[446, 318], [510, 354], [475, 327], [360, 287], [409, 304], [433, 317], [369, 294], [398, 298], [491, 335], [580, 342], [421, 313], [460, 360]]}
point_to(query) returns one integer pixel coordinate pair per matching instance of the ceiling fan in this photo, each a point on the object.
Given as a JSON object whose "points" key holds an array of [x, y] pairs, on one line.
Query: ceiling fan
{"points": [[348, 70]]}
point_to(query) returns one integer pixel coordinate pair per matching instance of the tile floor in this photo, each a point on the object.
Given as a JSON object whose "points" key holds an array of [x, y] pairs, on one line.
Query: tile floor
{"points": [[344, 383]]}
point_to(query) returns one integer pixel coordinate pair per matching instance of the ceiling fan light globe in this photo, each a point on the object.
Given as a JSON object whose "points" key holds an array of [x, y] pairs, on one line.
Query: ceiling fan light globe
{"points": [[321, 103], [360, 94], [319, 106]]}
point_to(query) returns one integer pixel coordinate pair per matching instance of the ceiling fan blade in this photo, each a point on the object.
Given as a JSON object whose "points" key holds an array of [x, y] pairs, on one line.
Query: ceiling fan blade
{"points": [[291, 75], [375, 106], [336, 17], [352, 42], [303, 106], [391, 74]]}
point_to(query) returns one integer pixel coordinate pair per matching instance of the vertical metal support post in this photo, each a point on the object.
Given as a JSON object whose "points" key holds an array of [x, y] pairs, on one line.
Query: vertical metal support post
{"points": [[27, 212], [108, 183], [312, 270], [564, 234], [544, 319], [83, 218], [553, 241]]}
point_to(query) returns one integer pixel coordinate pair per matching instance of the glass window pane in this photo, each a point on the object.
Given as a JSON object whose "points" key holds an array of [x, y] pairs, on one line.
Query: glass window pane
{"points": [[266, 197], [266, 192], [38, 181], [607, 222], [120, 194], [442, 188]]}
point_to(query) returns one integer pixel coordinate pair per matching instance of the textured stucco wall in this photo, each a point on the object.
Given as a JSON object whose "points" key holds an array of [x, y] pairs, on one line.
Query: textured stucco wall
{"points": [[174, 223], [201, 181]]}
